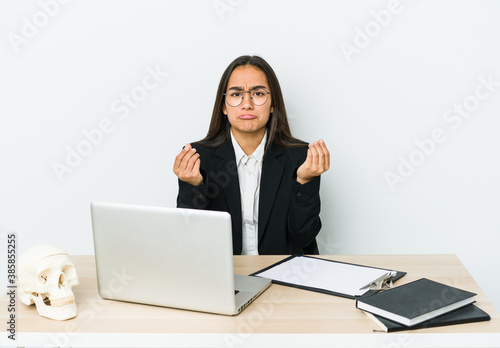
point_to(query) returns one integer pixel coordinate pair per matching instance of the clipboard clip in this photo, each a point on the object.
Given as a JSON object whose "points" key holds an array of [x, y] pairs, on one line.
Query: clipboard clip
{"points": [[383, 282]]}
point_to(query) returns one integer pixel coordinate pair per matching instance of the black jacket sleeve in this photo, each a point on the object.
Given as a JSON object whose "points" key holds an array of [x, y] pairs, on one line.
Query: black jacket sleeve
{"points": [[303, 219], [191, 196]]}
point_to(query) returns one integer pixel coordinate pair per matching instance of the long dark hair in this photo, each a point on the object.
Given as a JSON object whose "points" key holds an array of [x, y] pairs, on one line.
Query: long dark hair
{"points": [[278, 129]]}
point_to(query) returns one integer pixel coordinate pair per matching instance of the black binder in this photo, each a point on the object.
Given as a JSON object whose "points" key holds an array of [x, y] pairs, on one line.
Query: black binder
{"points": [[467, 314]]}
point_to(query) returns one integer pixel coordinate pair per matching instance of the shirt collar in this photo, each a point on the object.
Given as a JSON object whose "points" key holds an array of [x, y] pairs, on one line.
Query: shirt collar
{"points": [[240, 154]]}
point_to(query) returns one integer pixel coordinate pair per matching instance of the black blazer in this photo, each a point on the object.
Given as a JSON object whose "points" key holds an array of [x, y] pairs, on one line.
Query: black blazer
{"points": [[288, 211]]}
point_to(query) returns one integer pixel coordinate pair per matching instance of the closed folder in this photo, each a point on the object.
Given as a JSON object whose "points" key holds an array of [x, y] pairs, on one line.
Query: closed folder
{"points": [[467, 314], [415, 302]]}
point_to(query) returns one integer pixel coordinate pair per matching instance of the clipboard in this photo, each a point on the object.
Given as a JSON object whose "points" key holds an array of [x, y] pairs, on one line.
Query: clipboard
{"points": [[313, 273]]}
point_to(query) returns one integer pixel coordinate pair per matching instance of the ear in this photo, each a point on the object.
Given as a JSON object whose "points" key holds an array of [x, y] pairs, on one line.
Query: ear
{"points": [[271, 109], [224, 110]]}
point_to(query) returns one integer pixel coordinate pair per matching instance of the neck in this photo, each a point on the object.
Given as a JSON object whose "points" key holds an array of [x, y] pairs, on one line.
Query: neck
{"points": [[248, 141]]}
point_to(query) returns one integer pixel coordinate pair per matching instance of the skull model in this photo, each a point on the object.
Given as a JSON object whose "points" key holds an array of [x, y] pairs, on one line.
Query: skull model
{"points": [[46, 276]]}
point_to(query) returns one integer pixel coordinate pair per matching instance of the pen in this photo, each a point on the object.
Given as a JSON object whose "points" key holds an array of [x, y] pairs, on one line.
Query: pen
{"points": [[382, 277]]}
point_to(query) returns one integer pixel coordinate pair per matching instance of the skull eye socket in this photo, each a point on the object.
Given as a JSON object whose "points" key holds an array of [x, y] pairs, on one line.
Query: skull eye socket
{"points": [[43, 276]]}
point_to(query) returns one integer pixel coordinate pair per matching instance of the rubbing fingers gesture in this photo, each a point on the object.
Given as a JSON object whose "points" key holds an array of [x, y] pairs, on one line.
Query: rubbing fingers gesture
{"points": [[187, 166], [316, 163]]}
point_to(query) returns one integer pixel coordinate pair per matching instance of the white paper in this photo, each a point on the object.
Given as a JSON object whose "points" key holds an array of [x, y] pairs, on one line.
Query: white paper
{"points": [[323, 274]]}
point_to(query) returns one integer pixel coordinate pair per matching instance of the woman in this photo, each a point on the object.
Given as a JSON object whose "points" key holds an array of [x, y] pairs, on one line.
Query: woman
{"points": [[251, 166]]}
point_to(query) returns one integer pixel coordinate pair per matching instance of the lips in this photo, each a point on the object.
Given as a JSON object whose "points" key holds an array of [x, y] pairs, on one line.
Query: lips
{"points": [[247, 117]]}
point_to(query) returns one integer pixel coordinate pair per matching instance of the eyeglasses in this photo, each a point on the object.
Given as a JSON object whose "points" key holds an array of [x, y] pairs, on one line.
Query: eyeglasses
{"points": [[258, 96]]}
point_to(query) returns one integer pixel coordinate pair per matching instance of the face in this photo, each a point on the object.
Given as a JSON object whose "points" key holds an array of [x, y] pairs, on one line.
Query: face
{"points": [[247, 119]]}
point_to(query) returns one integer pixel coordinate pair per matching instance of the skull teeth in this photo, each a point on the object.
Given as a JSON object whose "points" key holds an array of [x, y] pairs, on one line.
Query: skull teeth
{"points": [[63, 301]]}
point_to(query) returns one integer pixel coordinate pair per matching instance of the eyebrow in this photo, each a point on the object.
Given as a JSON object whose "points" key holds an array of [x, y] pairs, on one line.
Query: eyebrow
{"points": [[237, 88]]}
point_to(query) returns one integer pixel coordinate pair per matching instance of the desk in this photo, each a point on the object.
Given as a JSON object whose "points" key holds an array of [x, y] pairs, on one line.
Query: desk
{"points": [[281, 317]]}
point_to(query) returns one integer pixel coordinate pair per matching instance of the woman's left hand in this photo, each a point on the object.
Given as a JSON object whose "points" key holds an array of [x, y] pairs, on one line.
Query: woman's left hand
{"points": [[316, 163]]}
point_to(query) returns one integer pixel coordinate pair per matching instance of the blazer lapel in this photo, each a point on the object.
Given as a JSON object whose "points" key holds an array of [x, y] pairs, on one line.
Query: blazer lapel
{"points": [[227, 175], [272, 171]]}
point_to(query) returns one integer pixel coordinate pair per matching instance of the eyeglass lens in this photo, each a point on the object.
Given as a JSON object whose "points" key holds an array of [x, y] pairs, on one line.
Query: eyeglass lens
{"points": [[258, 97]]}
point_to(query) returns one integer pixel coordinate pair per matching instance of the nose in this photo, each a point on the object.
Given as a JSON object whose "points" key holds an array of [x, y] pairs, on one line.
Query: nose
{"points": [[247, 101]]}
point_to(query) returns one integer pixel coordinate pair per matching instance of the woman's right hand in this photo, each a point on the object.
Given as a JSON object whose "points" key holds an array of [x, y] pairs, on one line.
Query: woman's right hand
{"points": [[187, 166]]}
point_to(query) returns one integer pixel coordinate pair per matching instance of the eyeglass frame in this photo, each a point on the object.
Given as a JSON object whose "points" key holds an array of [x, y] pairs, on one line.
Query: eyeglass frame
{"points": [[242, 97]]}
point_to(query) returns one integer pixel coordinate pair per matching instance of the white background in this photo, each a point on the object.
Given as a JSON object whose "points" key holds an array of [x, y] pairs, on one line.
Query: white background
{"points": [[63, 68]]}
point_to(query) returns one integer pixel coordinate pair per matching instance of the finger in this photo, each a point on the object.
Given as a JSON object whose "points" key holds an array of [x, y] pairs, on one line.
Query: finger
{"points": [[322, 144], [314, 156], [327, 154], [190, 167], [321, 157], [185, 160], [323, 149], [324, 162], [179, 157]]}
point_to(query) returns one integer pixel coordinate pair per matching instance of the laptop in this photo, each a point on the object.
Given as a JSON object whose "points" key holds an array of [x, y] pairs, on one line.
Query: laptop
{"points": [[171, 257]]}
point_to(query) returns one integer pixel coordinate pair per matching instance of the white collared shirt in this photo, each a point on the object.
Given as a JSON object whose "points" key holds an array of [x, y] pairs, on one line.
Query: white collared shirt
{"points": [[249, 169]]}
